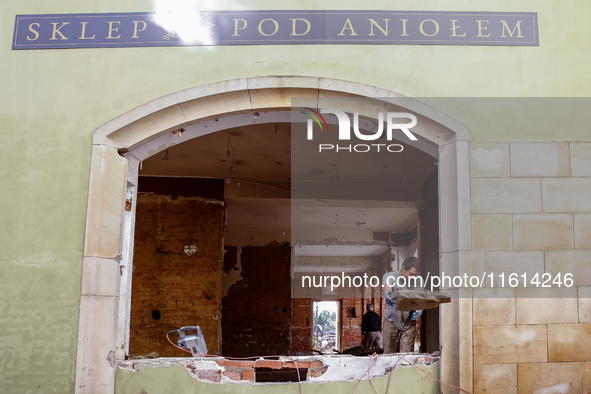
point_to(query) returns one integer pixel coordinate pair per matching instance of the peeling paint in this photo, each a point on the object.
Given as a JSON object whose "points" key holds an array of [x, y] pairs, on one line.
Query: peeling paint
{"points": [[111, 358], [190, 250], [234, 275], [353, 368], [180, 198], [160, 148]]}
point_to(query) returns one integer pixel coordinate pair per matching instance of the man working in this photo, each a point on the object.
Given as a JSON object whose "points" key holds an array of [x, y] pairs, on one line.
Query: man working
{"points": [[400, 326], [371, 324]]}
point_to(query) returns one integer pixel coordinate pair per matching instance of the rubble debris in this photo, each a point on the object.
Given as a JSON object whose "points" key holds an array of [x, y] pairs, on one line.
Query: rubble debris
{"points": [[360, 351], [143, 356]]}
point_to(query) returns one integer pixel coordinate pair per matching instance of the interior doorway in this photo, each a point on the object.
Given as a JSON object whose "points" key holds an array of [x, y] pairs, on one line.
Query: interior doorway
{"points": [[326, 331]]}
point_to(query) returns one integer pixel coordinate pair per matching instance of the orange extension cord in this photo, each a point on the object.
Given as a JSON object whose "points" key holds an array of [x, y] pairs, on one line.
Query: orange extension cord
{"points": [[242, 358], [372, 361]]}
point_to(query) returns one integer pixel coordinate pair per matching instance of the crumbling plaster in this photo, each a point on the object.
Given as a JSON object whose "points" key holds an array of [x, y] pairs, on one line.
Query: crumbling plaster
{"points": [[234, 275], [338, 370]]}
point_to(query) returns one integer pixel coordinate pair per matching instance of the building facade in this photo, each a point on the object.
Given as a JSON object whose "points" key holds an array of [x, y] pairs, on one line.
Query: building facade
{"points": [[506, 124]]}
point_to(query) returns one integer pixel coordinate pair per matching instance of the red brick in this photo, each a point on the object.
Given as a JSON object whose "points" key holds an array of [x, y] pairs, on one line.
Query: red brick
{"points": [[300, 364], [274, 364], [422, 360], [170, 281], [209, 374], [315, 364], [240, 363], [246, 330], [319, 372], [234, 375], [221, 362], [248, 374]]}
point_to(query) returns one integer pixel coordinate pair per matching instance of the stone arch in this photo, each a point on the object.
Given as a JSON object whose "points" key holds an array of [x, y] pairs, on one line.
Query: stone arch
{"points": [[122, 143]]}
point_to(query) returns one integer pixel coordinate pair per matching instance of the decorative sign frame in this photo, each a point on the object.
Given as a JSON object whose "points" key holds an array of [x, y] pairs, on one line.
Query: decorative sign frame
{"points": [[147, 29]]}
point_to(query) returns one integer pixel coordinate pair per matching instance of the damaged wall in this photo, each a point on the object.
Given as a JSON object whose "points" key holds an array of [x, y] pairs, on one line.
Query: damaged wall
{"points": [[352, 300], [301, 326], [257, 312], [351, 266], [351, 312], [341, 376], [174, 284]]}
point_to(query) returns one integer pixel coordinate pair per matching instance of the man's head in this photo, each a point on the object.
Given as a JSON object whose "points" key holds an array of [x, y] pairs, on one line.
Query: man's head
{"points": [[410, 267], [369, 307]]}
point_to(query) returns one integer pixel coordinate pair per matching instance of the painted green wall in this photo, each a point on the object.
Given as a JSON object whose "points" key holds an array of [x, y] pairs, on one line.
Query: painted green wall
{"points": [[52, 100], [174, 380]]}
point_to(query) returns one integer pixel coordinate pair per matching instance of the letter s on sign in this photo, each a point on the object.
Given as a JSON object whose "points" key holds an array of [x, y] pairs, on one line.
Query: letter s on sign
{"points": [[33, 31]]}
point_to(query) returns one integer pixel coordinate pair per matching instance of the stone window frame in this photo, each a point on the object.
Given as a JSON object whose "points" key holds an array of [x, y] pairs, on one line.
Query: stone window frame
{"points": [[103, 332]]}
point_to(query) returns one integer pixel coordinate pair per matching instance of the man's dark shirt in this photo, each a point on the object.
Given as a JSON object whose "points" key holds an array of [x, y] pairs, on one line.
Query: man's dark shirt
{"points": [[371, 322]]}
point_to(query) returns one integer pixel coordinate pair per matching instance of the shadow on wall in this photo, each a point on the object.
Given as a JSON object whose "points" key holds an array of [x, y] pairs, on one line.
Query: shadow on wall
{"points": [[257, 312]]}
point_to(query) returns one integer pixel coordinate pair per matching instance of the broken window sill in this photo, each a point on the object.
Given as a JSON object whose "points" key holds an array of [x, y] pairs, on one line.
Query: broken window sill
{"points": [[319, 369]]}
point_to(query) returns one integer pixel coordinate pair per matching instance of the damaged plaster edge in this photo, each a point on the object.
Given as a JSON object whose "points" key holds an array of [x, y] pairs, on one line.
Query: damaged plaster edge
{"points": [[234, 276], [336, 242], [335, 368], [339, 368], [160, 148], [169, 198], [194, 367], [134, 365]]}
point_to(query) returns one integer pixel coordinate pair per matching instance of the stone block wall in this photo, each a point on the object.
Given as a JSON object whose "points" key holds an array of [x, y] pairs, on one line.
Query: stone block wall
{"points": [[530, 205]]}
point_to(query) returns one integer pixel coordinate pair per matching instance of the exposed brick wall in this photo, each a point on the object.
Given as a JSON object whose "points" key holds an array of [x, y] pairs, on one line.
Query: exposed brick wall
{"points": [[247, 370], [353, 310], [351, 322], [258, 317], [185, 290], [257, 312], [301, 327]]}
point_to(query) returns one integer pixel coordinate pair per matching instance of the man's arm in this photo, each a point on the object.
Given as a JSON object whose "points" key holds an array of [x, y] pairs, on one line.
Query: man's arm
{"points": [[388, 290], [417, 314], [389, 298]]}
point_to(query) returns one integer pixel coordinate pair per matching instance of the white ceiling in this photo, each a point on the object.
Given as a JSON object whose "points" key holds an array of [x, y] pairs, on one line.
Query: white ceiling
{"points": [[340, 250], [334, 194]]}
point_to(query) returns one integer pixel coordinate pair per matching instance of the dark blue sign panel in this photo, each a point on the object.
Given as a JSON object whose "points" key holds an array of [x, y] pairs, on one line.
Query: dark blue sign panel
{"points": [[274, 28]]}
